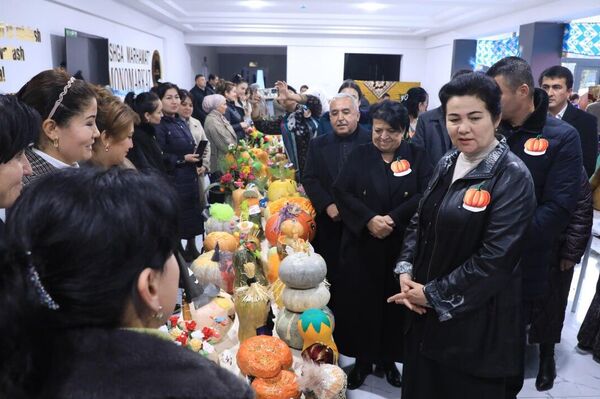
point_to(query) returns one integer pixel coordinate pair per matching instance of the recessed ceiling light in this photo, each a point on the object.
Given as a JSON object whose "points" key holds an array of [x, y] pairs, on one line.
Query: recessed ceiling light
{"points": [[371, 6], [254, 4]]}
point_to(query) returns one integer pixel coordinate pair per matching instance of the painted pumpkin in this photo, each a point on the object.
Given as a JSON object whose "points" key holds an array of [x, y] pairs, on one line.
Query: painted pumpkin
{"points": [[284, 386], [303, 270], [286, 325], [218, 314], [300, 300], [274, 207], [274, 223], [226, 241], [215, 267], [282, 188], [536, 146], [316, 330], [476, 199], [400, 167], [263, 356]]}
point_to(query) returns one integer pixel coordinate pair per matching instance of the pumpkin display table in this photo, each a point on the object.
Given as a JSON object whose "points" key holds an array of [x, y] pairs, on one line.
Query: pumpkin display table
{"points": [[273, 278]]}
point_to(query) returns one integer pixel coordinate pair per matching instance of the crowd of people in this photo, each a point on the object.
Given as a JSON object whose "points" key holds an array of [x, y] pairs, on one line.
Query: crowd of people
{"points": [[450, 235]]}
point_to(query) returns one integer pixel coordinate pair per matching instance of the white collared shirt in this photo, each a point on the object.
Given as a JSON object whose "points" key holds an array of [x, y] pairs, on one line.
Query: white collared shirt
{"points": [[53, 161], [562, 111]]}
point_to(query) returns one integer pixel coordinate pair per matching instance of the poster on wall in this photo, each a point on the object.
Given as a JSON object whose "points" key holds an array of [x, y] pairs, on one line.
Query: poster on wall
{"points": [[132, 69], [13, 38]]}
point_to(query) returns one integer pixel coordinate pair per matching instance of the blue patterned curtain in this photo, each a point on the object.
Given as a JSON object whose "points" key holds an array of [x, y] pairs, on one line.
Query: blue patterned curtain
{"points": [[490, 51], [582, 38]]}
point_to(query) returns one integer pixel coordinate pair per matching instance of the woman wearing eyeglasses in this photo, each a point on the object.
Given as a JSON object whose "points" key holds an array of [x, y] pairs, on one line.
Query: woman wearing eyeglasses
{"points": [[377, 193]]}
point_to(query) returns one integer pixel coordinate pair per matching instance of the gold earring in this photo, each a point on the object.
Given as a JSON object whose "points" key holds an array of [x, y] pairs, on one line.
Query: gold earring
{"points": [[106, 147], [55, 143], [159, 314]]}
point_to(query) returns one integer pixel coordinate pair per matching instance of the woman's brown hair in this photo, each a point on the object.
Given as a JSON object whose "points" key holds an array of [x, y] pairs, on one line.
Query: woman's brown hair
{"points": [[114, 117]]}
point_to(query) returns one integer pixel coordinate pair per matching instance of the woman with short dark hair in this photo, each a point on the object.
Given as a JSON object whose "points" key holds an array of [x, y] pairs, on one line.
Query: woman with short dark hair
{"points": [[459, 264], [377, 192], [19, 126], [88, 277]]}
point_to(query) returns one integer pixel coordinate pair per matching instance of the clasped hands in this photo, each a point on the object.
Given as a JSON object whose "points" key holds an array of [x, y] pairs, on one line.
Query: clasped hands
{"points": [[411, 295], [381, 226]]}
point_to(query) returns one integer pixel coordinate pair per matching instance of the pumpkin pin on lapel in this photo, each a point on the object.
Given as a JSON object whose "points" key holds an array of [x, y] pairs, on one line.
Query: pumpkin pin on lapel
{"points": [[400, 167], [476, 199], [536, 146]]}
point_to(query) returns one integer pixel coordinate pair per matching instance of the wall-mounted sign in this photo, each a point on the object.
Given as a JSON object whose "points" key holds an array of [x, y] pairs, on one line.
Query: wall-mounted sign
{"points": [[10, 34], [130, 69]]}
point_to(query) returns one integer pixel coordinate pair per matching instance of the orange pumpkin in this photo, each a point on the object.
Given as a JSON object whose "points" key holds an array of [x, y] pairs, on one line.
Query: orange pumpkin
{"points": [[273, 227], [400, 167], [227, 242], [263, 356], [476, 199], [261, 155], [536, 146], [284, 386], [304, 203]]}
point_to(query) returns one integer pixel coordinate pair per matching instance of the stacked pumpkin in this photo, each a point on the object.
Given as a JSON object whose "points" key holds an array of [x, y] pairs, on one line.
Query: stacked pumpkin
{"points": [[303, 273], [267, 361]]}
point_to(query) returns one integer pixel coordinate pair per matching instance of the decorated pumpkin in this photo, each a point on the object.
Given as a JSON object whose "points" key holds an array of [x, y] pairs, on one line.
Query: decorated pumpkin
{"points": [[215, 267], [222, 218], [316, 330], [252, 303], [261, 155], [226, 241], [322, 381], [400, 167], [274, 207], [263, 356], [282, 188], [300, 300], [302, 269], [536, 146], [218, 315], [476, 199], [286, 325], [248, 253], [273, 262], [304, 226], [284, 386]]}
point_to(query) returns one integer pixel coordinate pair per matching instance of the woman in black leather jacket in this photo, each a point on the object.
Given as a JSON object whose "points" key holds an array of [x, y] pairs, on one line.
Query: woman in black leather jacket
{"points": [[459, 266]]}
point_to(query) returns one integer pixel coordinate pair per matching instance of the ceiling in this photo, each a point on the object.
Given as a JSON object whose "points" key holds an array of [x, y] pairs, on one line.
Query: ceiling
{"points": [[324, 18]]}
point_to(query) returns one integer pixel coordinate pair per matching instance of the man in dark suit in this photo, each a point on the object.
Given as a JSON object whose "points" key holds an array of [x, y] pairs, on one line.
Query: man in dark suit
{"points": [[199, 91], [325, 158], [557, 81]]}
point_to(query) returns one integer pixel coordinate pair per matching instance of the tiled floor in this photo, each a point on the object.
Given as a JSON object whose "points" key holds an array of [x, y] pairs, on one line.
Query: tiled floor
{"points": [[578, 375]]}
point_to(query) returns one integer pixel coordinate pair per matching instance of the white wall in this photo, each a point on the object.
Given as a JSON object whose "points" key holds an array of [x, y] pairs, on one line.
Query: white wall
{"points": [[197, 54], [108, 19], [437, 71]]}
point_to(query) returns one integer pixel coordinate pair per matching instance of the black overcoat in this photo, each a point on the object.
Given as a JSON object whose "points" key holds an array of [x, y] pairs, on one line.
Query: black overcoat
{"points": [[320, 171], [367, 326], [175, 140], [586, 126]]}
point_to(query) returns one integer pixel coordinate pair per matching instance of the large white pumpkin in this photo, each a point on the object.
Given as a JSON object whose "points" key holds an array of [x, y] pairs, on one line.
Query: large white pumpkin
{"points": [[302, 270], [300, 300]]}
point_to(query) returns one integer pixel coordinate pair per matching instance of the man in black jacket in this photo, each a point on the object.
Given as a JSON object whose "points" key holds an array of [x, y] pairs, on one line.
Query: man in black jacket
{"points": [[199, 91], [325, 158], [557, 81], [552, 151]]}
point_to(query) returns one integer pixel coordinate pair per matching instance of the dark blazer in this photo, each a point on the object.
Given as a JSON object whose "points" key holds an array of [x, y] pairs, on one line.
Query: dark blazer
{"points": [[39, 166], [431, 134], [175, 139], [198, 95], [586, 125], [472, 279], [235, 116], [97, 363], [575, 238], [146, 153], [320, 171], [556, 176]]}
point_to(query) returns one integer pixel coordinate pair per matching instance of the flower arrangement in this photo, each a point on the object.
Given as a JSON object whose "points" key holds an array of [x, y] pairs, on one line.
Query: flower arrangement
{"points": [[240, 167], [184, 333]]}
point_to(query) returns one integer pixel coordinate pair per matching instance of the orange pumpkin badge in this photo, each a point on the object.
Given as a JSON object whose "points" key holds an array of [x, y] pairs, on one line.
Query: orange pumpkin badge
{"points": [[400, 167], [536, 146], [476, 199]]}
